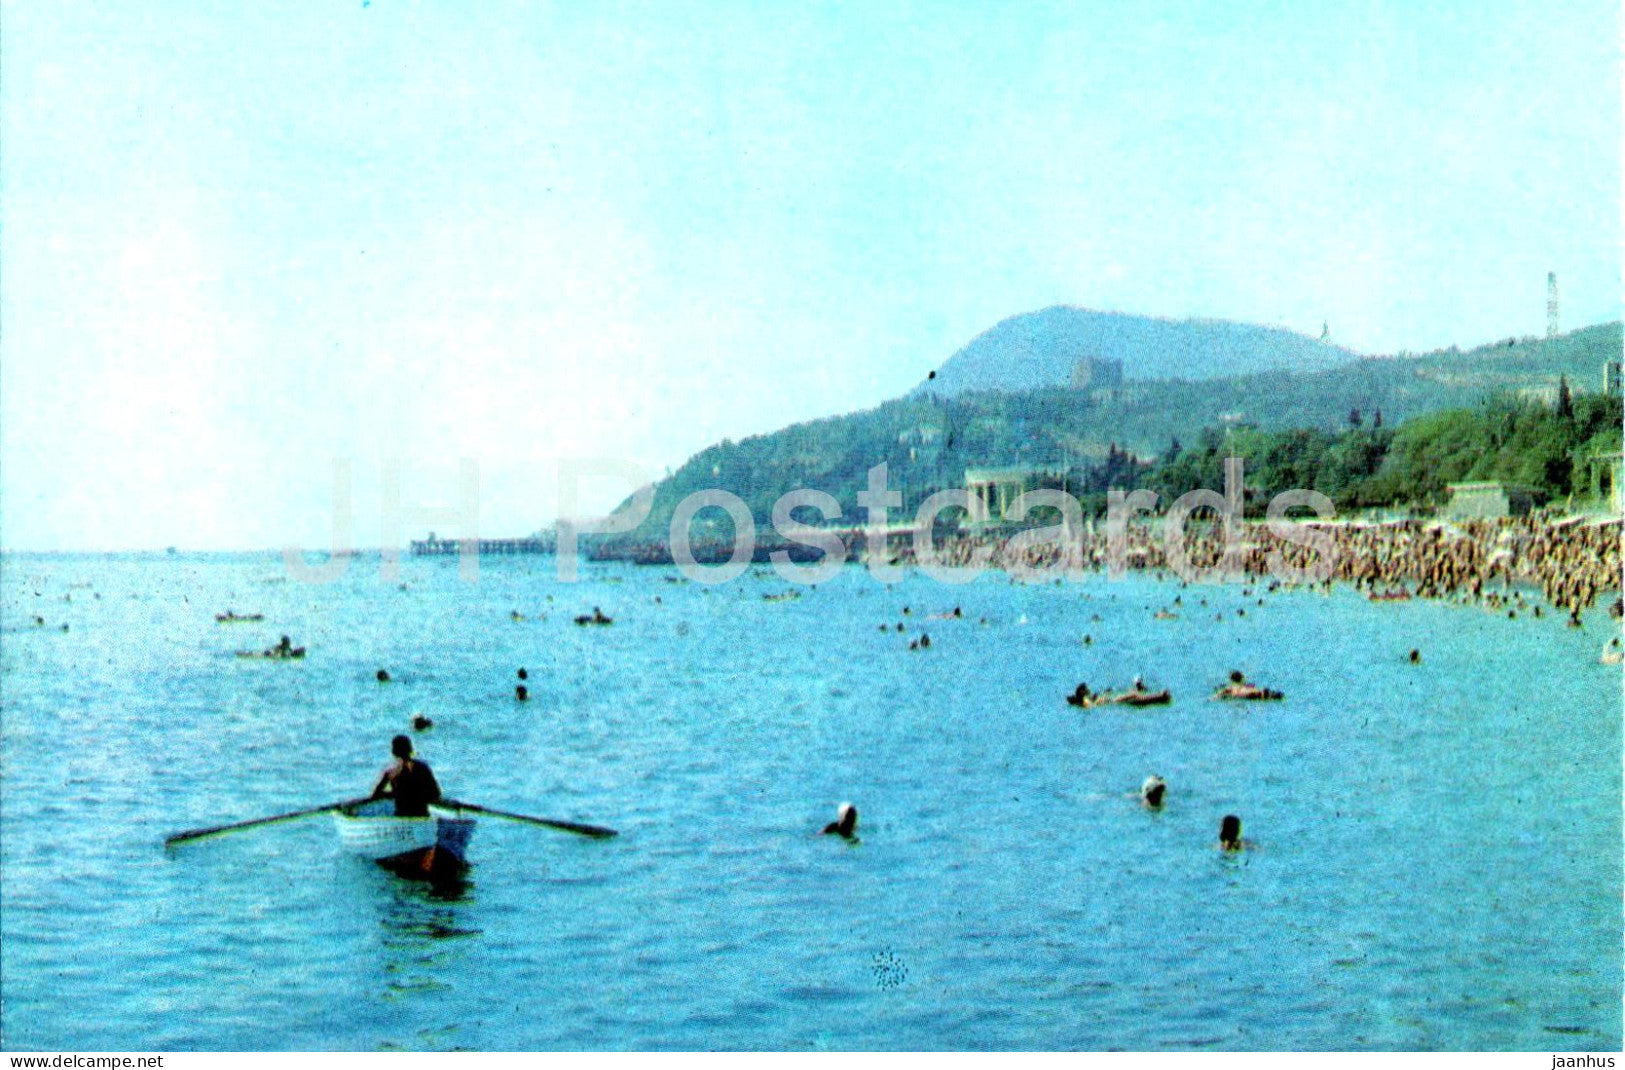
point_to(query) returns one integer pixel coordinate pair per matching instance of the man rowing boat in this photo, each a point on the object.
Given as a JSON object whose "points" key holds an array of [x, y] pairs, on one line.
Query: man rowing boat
{"points": [[408, 781]]}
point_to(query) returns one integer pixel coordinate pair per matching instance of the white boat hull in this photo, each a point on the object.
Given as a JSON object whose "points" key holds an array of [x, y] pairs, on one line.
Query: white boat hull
{"points": [[373, 830]]}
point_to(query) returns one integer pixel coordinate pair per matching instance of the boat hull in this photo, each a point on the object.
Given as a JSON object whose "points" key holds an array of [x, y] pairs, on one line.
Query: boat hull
{"points": [[430, 843]]}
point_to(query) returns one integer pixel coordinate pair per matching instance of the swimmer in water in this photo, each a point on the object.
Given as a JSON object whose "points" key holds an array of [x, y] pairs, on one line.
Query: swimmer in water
{"points": [[383, 676], [521, 693], [1230, 833], [523, 675], [1152, 791], [845, 824], [1416, 657]]}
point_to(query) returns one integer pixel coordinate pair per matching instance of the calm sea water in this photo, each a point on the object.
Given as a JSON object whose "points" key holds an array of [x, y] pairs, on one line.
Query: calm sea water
{"points": [[1438, 860]]}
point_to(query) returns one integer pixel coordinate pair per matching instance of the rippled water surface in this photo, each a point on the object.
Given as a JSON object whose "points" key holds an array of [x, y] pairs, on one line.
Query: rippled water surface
{"points": [[1438, 857]]}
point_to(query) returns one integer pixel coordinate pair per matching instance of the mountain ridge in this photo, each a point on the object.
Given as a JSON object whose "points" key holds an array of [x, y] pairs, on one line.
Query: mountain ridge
{"points": [[1067, 345]]}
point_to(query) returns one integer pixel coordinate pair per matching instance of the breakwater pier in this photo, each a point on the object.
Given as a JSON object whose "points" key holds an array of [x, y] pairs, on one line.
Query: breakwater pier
{"points": [[530, 544]]}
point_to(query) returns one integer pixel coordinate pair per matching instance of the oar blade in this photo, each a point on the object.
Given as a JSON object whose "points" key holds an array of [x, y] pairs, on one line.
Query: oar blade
{"points": [[597, 832], [195, 834]]}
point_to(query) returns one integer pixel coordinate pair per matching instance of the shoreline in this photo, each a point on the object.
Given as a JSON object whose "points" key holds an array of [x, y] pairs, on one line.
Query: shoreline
{"points": [[1572, 562]]}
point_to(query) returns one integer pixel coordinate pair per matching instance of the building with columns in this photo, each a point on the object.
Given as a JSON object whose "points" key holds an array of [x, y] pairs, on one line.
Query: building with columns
{"points": [[993, 491]]}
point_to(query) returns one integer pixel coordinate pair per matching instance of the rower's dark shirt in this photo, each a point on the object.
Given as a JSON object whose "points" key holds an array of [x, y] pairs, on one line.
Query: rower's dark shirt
{"points": [[413, 786]]}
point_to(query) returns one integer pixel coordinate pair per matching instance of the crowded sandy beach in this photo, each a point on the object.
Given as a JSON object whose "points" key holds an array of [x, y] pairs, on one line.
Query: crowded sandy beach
{"points": [[1569, 563]]}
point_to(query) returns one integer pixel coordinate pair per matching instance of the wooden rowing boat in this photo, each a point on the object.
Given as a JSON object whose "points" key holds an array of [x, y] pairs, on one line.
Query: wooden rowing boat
{"points": [[427, 847]]}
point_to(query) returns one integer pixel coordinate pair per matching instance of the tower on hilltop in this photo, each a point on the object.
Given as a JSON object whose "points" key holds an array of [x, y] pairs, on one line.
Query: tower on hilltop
{"points": [[1551, 304]]}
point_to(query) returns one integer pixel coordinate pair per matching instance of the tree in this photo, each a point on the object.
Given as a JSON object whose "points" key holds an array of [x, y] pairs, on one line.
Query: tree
{"points": [[1376, 419], [1565, 400], [1354, 418]]}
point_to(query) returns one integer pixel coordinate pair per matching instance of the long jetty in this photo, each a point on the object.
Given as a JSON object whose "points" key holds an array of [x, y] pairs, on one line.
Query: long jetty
{"points": [[529, 545]]}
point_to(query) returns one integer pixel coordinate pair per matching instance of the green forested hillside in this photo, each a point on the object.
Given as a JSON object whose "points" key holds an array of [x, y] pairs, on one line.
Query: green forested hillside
{"points": [[928, 442], [1548, 449]]}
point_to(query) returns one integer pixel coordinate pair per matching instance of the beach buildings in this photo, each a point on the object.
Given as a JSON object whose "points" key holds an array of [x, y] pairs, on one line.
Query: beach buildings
{"points": [[1607, 471], [1487, 500]]}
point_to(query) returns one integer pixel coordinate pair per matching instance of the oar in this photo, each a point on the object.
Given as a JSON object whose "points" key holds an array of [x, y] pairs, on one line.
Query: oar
{"points": [[594, 831], [192, 834]]}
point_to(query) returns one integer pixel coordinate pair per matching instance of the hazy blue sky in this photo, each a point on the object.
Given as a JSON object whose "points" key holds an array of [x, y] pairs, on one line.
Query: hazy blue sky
{"points": [[240, 242]]}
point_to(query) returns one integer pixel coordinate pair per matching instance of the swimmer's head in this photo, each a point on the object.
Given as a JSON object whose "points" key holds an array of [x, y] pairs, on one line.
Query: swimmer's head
{"points": [[1236, 677], [1230, 833], [401, 747], [845, 823], [1152, 790]]}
